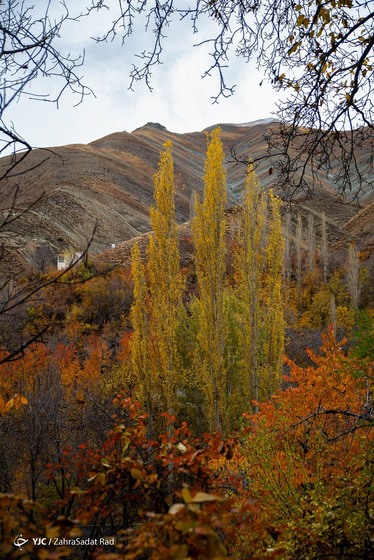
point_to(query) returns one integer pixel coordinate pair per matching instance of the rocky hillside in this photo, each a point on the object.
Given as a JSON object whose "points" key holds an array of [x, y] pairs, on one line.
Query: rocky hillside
{"points": [[58, 195]]}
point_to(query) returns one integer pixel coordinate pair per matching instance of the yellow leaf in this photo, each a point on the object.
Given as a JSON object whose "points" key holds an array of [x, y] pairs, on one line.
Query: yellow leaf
{"points": [[294, 48], [186, 495], [325, 15], [136, 474], [204, 497], [9, 405], [300, 20]]}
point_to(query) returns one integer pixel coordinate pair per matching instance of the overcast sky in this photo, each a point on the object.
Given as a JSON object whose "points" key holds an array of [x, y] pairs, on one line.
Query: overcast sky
{"points": [[181, 99]]}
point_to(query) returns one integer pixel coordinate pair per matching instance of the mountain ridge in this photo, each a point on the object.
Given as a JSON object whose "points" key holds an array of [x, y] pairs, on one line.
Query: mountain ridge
{"points": [[108, 182]]}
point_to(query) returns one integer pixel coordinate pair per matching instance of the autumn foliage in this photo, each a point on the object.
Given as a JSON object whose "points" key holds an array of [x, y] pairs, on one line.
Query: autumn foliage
{"points": [[163, 413], [295, 483]]}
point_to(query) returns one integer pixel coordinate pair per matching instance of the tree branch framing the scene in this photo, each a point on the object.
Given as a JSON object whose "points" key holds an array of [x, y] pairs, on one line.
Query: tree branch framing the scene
{"points": [[28, 51], [319, 51]]}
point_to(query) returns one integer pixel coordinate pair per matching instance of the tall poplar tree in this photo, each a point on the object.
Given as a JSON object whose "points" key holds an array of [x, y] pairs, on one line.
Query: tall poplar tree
{"points": [[165, 283], [155, 309], [259, 274], [249, 264], [273, 304], [237, 334], [208, 229]]}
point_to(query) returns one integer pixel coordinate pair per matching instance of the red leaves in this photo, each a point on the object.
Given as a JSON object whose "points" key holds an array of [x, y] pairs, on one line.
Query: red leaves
{"points": [[131, 471], [298, 476]]}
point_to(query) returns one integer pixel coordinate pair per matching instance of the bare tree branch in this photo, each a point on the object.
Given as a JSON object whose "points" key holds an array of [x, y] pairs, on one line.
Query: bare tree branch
{"points": [[28, 51], [319, 52]]}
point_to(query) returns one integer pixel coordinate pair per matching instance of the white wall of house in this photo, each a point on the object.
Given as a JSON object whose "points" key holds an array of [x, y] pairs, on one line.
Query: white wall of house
{"points": [[65, 260]]}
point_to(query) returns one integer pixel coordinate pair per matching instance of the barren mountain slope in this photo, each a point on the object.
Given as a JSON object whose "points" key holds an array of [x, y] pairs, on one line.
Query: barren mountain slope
{"points": [[109, 182]]}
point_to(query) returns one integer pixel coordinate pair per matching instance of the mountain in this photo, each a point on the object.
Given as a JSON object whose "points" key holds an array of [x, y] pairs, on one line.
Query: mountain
{"points": [[62, 192]]}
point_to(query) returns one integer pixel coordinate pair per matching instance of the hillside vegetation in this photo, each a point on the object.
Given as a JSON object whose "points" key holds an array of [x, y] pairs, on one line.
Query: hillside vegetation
{"points": [[171, 402]]}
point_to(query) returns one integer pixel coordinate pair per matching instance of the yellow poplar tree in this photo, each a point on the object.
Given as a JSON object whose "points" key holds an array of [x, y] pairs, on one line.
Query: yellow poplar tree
{"points": [[249, 261], [140, 343], [259, 273], [208, 229], [165, 286], [274, 324]]}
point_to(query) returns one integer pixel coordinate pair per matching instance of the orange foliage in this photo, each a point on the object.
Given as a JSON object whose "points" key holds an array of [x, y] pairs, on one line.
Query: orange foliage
{"points": [[307, 453], [295, 484], [18, 376]]}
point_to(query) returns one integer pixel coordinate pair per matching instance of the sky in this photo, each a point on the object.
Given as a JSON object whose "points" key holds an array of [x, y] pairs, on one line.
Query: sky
{"points": [[181, 100]]}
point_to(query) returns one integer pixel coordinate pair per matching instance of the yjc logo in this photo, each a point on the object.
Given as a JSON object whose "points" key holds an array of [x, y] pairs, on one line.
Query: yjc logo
{"points": [[40, 541], [20, 541]]}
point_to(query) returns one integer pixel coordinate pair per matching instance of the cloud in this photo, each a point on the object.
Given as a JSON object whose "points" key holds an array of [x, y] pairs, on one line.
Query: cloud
{"points": [[181, 99]]}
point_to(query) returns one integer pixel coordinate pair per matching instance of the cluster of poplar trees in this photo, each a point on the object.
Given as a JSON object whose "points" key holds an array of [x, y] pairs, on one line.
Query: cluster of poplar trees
{"points": [[211, 359]]}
